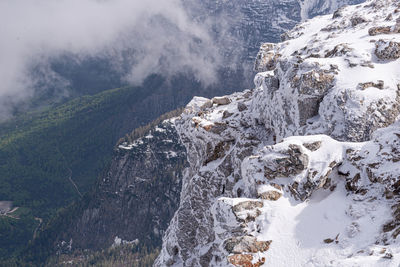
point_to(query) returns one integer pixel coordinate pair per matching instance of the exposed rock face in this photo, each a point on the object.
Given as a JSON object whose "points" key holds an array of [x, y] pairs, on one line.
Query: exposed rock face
{"points": [[387, 50], [110, 214], [309, 81], [266, 58], [244, 260], [137, 196], [326, 193], [221, 100], [253, 21], [245, 244]]}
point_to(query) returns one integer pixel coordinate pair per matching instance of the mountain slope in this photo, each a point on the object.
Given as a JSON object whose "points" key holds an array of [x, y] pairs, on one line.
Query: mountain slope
{"points": [[302, 170], [131, 204], [50, 158], [257, 14]]}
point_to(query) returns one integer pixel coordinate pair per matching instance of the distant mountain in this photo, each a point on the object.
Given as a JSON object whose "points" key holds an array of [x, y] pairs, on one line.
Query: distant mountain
{"points": [[236, 27]]}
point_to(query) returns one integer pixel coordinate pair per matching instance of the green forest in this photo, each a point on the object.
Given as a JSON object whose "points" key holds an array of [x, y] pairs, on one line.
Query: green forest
{"points": [[49, 159]]}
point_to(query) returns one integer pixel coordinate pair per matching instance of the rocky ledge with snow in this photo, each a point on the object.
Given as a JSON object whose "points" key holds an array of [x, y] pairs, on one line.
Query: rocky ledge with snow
{"points": [[304, 170]]}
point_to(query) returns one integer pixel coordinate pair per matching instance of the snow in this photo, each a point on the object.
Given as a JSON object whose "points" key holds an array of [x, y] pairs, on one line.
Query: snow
{"points": [[170, 154], [161, 130], [298, 231], [336, 160]]}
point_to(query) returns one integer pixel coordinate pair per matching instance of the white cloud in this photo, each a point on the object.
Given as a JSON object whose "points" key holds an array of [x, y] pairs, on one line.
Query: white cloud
{"points": [[159, 32]]}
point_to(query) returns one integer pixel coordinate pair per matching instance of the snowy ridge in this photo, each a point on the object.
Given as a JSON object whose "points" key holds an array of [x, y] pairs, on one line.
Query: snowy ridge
{"points": [[304, 169]]}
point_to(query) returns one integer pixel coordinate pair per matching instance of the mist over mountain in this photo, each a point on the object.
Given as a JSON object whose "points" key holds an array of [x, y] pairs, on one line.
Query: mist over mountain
{"points": [[131, 39], [59, 50]]}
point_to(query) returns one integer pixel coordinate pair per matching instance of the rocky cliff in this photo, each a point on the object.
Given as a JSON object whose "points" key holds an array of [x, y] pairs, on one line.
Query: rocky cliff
{"points": [[135, 198], [304, 169], [129, 201], [239, 27]]}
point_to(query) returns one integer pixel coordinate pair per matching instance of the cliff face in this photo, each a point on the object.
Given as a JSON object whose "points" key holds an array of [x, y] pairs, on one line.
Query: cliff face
{"points": [[304, 169], [137, 196], [262, 21], [239, 27]]}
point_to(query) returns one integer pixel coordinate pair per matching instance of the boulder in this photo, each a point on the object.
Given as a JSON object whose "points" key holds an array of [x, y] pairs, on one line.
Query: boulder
{"points": [[247, 205], [266, 58], [387, 50], [294, 163], [379, 30], [314, 146], [270, 195], [246, 244], [245, 260], [223, 100], [380, 84]]}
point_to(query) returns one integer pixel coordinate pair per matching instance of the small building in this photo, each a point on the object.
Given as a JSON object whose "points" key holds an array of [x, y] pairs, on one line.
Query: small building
{"points": [[5, 206]]}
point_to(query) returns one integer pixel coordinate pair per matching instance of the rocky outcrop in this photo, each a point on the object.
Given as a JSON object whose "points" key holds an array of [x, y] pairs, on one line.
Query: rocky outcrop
{"points": [[304, 172], [302, 87], [135, 198], [387, 50], [266, 58], [253, 21]]}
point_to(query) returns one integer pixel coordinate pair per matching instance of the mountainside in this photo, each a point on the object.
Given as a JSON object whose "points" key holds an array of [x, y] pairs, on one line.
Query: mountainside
{"points": [[136, 197], [53, 157], [262, 21], [131, 205], [236, 28], [92, 230], [304, 169]]}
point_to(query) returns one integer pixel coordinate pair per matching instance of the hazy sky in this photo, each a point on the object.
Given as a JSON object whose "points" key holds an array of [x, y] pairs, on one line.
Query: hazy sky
{"points": [[162, 36]]}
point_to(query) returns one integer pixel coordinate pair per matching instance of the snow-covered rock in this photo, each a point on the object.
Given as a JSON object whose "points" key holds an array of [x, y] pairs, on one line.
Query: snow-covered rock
{"points": [[304, 169]]}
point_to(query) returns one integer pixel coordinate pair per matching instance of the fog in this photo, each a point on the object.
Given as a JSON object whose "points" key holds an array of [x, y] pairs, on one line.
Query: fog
{"points": [[139, 37]]}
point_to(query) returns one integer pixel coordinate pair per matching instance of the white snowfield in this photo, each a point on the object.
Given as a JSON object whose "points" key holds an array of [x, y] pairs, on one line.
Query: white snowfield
{"points": [[303, 170]]}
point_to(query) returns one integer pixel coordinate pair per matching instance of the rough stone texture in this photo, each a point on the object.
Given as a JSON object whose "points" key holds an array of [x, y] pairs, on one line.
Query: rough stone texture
{"points": [[241, 260], [303, 93], [264, 149], [380, 84], [247, 205], [339, 50], [136, 197], [270, 195], [313, 146], [387, 50], [357, 20], [221, 100], [247, 211], [205, 186], [293, 163], [379, 30], [246, 244], [266, 58], [365, 173]]}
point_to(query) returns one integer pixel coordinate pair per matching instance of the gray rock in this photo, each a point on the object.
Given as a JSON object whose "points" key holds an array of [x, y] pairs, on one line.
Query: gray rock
{"points": [[270, 195], [314, 146], [247, 205], [246, 244], [221, 100], [136, 197], [387, 50]]}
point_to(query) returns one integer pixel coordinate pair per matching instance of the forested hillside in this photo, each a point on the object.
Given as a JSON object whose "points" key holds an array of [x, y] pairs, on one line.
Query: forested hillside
{"points": [[50, 158]]}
